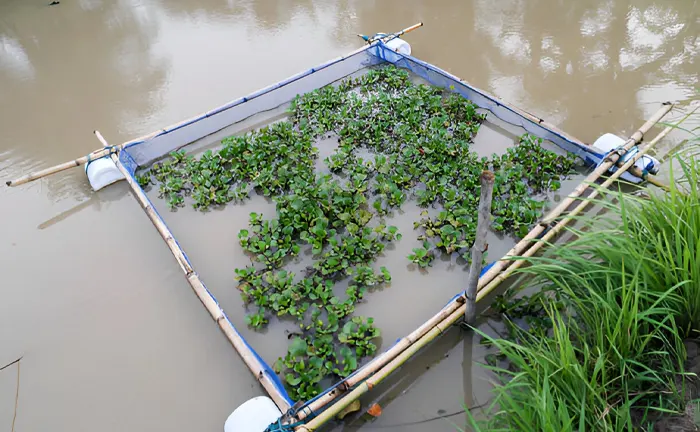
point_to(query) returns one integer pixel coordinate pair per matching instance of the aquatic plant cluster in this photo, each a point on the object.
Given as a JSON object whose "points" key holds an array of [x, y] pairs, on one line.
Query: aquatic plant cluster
{"points": [[418, 141]]}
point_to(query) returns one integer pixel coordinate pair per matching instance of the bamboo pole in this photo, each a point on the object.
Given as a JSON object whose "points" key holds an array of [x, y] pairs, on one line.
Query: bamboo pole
{"points": [[367, 385], [379, 362], [382, 36], [200, 290], [482, 227], [99, 153], [526, 242], [573, 213], [150, 211], [408, 29], [649, 178], [612, 159], [62, 167], [441, 327]]}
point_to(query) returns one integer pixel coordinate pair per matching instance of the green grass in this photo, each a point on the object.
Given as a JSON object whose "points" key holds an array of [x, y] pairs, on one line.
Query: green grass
{"points": [[658, 237], [610, 352], [616, 304]]}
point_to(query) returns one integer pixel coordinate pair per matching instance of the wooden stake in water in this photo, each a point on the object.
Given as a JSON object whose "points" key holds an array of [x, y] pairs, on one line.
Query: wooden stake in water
{"points": [[482, 228]]}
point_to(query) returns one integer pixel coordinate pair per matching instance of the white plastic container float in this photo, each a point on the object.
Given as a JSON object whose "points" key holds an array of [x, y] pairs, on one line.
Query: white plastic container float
{"points": [[255, 415], [609, 142], [400, 46], [102, 172]]}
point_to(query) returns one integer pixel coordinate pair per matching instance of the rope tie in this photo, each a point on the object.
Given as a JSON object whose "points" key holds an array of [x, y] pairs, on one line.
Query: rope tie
{"points": [[291, 413], [629, 155], [623, 156], [619, 150], [645, 174], [112, 149], [279, 427]]}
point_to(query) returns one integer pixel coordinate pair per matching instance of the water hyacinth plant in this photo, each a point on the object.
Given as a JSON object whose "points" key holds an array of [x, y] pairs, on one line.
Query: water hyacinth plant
{"points": [[396, 141]]}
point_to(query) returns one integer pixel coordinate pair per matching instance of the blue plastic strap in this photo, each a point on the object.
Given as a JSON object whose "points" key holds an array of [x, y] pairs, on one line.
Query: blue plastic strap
{"points": [[629, 155], [277, 426], [91, 160], [625, 156]]}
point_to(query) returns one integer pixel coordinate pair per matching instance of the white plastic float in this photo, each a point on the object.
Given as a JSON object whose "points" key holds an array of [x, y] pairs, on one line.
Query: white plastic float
{"points": [[609, 142], [102, 172], [400, 46], [255, 415]]}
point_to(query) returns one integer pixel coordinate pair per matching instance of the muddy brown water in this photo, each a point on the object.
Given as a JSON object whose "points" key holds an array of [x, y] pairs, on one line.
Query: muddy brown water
{"points": [[110, 333]]}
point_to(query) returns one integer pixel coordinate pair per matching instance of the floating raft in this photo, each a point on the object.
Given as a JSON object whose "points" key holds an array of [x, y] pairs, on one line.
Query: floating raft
{"points": [[279, 412]]}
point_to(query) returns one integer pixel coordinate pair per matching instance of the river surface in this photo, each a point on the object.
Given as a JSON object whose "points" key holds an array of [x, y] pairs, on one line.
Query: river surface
{"points": [[110, 334]]}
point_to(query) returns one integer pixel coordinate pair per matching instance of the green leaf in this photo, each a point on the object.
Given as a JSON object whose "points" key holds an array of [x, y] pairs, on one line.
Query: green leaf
{"points": [[385, 273], [297, 204], [292, 379], [298, 347]]}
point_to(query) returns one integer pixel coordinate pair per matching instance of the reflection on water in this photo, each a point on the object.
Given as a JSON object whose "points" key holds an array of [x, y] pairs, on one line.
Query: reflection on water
{"points": [[14, 59], [137, 342]]}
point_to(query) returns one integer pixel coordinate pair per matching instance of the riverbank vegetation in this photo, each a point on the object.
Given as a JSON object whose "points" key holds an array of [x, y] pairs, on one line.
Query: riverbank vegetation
{"points": [[609, 341]]}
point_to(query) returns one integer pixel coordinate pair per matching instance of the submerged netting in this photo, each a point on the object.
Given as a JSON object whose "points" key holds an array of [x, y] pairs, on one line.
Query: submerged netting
{"points": [[141, 153], [144, 152]]}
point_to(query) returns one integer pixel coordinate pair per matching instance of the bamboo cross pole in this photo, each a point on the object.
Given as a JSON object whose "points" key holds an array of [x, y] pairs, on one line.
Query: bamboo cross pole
{"points": [[572, 214], [386, 37], [378, 362], [482, 228], [612, 159], [406, 342], [649, 178], [102, 152], [399, 33], [378, 377], [452, 318], [200, 290], [97, 154]]}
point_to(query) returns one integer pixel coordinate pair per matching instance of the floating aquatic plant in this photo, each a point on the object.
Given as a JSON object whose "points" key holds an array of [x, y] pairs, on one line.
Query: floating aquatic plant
{"points": [[396, 141]]}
